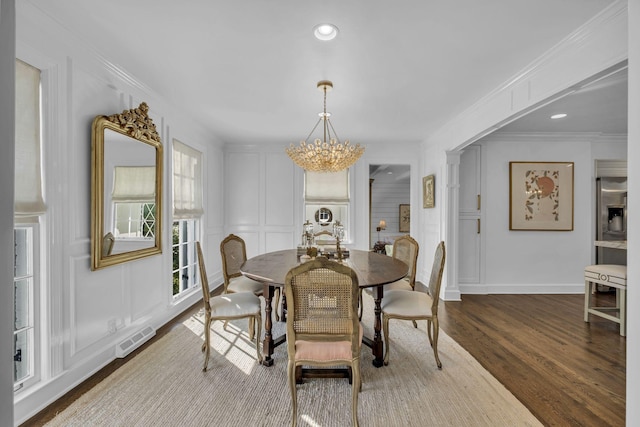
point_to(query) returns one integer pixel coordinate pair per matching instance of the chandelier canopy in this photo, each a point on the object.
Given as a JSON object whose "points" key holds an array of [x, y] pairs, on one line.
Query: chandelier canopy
{"points": [[328, 154]]}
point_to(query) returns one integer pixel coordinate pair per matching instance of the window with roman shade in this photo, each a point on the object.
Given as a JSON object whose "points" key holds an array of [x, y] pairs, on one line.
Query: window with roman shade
{"points": [[29, 208], [187, 211], [187, 181], [327, 192]]}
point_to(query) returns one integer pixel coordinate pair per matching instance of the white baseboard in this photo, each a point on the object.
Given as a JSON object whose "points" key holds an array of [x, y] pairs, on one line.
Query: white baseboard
{"points": [[501, 288]]}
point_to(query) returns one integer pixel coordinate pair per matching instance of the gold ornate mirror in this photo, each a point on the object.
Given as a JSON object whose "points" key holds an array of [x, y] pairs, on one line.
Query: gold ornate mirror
{"points": [[126, 188]]}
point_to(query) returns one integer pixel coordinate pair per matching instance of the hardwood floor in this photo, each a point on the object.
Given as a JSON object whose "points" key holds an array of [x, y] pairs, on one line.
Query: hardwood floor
{"points": [[567, 372]]}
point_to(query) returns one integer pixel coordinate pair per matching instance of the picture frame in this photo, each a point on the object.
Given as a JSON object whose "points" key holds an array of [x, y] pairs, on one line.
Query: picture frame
{"points": [[541, 196], [404, 218], [428, 191]]}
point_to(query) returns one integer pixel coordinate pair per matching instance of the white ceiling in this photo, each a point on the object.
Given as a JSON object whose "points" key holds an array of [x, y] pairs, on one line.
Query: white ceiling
{"points": [[248, 69], [600, 106]]}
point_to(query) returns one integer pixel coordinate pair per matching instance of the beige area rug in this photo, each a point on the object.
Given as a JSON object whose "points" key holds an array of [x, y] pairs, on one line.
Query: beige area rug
{"points": [[164, 386]]}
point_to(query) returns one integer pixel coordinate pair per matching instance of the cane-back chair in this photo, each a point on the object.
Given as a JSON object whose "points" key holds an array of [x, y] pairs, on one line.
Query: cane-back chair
{"points": [[322, 322]]}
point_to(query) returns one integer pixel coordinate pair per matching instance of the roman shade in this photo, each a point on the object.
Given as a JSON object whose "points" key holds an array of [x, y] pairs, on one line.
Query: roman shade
{"points": [[327, 186], [134, 184], [28, 201], [187, 181]]}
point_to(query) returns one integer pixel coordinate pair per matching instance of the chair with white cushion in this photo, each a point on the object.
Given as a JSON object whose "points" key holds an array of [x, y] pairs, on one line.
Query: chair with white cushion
{"points": [[405, 249], [227, 307], [234, 254], [611, 275], [413, 305]]}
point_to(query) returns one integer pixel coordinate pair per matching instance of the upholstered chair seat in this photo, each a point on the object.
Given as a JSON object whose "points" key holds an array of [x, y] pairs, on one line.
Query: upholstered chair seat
{"points": [[236, 305], [244, 284], [318, 351], [398, 303]]}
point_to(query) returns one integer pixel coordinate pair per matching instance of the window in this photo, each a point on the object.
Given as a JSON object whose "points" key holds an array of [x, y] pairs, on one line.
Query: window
{"points": [[187, 211], [29, 209], [135, 220], [24, 332], [185, 268], [133, 198]]}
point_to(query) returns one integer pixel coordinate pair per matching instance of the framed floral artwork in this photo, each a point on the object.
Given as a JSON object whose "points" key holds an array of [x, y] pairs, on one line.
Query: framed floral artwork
{"points": [[541, 196], [428, 191], [404, 218]]}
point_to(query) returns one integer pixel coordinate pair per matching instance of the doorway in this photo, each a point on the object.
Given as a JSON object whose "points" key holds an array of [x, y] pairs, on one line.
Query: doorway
{"points": [[389, 202]]}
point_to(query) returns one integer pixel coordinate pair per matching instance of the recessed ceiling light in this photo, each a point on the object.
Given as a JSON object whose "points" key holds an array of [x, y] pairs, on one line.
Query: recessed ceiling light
{"points": [[325, 31], [559, 116]]}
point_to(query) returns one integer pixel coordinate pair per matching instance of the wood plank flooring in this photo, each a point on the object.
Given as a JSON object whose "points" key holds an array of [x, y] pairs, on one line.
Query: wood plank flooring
{"points": [[567, 372]]}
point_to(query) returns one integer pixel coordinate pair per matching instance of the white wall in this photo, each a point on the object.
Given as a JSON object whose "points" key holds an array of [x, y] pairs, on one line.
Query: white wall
{"points": [[79, 84], [263, 201], [7, 136], [539, 261]]}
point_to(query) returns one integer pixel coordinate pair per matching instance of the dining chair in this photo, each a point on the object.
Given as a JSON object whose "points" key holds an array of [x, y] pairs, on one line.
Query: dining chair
{"points": [[323, 329], [227, 307], [234, 254], [414, 305], [405, 249]]}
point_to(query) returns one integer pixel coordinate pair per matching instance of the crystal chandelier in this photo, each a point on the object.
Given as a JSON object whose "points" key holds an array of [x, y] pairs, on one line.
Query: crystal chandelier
{"points": [[325, 155]]}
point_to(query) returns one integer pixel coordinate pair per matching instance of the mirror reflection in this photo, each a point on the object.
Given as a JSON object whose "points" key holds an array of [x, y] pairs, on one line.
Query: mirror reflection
{"points": [[130, 192], [126, 187]]}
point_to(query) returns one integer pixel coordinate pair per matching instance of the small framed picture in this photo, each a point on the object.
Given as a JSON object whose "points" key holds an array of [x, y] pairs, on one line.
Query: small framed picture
{"points": [[404, 218], [428, 192], [541, 196]]}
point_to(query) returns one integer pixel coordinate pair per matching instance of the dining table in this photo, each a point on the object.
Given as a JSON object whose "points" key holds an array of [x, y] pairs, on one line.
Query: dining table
{"points": [[374, 270]]}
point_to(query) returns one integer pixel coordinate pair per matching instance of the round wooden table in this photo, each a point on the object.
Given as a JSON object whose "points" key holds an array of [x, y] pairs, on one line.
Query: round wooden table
{"points": [[373, 270]]}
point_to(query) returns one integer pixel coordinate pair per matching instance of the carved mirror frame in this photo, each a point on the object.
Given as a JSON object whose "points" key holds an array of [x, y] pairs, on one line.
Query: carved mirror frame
{"points": [[139, 128]]}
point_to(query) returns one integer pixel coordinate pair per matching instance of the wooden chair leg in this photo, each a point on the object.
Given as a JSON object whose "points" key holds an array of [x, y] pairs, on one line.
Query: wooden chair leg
{"points": [[385, 333], [355, 390], [292, 388], [277, 304], [436, 328]]}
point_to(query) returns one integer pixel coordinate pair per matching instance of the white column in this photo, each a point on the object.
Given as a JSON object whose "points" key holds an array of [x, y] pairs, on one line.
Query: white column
{"points": [[451, 223]]}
